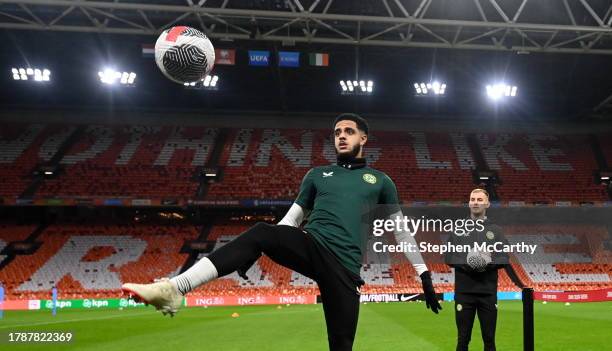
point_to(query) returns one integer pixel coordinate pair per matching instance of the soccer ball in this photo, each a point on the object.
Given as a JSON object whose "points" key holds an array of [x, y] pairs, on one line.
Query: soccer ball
{"points": [[478, 260], [184, 54]]}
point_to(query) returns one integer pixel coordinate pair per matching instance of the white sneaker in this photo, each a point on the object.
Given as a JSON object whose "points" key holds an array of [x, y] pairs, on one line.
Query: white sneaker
{"points": [[161, 294]]}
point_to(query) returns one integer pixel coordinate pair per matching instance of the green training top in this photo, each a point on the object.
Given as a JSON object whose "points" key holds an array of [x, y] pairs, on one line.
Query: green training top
{"points": [[339, 198]]}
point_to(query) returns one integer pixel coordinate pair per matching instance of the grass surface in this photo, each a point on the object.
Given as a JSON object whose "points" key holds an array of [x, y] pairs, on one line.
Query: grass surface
{"points": [[392, 326]]}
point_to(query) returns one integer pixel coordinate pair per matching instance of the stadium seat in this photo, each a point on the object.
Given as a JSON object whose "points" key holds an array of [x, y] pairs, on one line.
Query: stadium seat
{"points": [[86, 260]]}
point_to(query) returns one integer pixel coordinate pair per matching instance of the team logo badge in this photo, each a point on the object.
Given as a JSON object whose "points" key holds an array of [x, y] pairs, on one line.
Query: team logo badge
{"points": [[490, 235], [368, 178], [459, 307]]}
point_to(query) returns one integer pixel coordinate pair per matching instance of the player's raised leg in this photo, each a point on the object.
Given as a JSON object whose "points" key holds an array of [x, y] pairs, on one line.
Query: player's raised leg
{"points": [[284, 244]]}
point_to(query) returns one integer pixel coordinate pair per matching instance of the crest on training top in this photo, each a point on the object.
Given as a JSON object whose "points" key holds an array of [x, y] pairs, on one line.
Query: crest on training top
{"points": [[369, 178]]}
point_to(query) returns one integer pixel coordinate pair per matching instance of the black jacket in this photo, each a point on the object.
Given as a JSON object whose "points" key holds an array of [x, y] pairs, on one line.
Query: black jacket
{"points": [[468, 280]]}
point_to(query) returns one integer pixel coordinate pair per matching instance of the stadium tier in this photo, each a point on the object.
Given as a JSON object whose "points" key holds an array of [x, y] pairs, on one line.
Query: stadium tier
{"points": [[271, 163], [10, 233], [605, 141], [132, 161], [157, 162], [558, 168], [92, 260], [22, 147]]}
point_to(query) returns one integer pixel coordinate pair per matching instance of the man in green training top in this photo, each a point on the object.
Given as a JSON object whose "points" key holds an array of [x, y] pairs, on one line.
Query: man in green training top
{"points": [[328, 249]]}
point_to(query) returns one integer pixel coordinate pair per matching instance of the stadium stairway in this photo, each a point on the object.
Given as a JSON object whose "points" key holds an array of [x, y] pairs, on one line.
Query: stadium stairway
{"points": [[54, 161], [11, 253], [481, 164], [193, 254], [213, 162], [598, 153], [476, 152]]}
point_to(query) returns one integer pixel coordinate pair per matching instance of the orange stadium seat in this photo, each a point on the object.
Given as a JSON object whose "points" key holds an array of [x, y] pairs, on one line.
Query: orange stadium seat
{"points": [[89, 260], [569, 178], [92, 260], [23, 147], [157, 162], [120, 166]]}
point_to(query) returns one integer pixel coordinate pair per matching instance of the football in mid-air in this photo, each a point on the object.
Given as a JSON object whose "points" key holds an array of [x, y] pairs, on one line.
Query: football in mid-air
{"points": [[184, 54]]}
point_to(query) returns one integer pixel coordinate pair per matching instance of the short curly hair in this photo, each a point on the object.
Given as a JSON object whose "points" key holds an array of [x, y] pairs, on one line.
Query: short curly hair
{"points": [[362, 124]]}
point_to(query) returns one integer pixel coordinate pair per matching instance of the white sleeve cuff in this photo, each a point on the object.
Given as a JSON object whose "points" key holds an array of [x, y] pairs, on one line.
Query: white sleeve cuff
{"points": [[294, 216], [420, 268], [414, 257]]}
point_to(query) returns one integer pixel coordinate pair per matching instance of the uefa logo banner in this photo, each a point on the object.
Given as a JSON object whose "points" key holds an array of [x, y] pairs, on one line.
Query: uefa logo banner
{"points": [[259, 58]]}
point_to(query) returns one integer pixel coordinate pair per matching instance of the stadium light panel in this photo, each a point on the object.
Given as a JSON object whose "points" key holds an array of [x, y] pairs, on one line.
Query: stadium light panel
{"points": [[35, 74], [501, 90], [209, 82], [343, 86], [111, 77], [356, 87], [434, 88]]}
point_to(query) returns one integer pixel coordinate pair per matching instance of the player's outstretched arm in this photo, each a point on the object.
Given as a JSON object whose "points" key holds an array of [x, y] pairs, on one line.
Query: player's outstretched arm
{"points": [[388, 196], [295, 216], [415, 258]]}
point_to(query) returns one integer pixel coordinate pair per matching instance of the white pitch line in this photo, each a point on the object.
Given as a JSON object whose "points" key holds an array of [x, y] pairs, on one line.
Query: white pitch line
{"points": [[73, 320], [130, 315]]}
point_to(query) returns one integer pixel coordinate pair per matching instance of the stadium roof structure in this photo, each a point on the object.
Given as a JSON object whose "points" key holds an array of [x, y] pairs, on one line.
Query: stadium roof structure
{"points": [[552, 26], [555, 51]]}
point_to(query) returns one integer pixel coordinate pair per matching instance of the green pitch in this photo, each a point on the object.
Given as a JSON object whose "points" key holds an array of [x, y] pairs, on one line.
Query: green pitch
{"points": [[393, 326]]}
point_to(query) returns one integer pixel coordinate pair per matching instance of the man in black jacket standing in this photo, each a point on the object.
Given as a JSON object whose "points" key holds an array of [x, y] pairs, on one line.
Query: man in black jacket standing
{"points": [[476, 275]]}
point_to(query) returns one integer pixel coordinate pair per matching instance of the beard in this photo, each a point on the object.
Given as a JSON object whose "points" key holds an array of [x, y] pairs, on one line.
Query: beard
{"points": [[349, 155]]}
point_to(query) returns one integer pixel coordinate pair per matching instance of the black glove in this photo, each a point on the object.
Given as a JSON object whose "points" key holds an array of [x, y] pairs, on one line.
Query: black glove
{"points": [[431, 300]]}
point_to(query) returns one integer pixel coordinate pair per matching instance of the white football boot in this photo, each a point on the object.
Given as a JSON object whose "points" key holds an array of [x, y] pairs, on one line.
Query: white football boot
{"points": [[161, 294]]}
